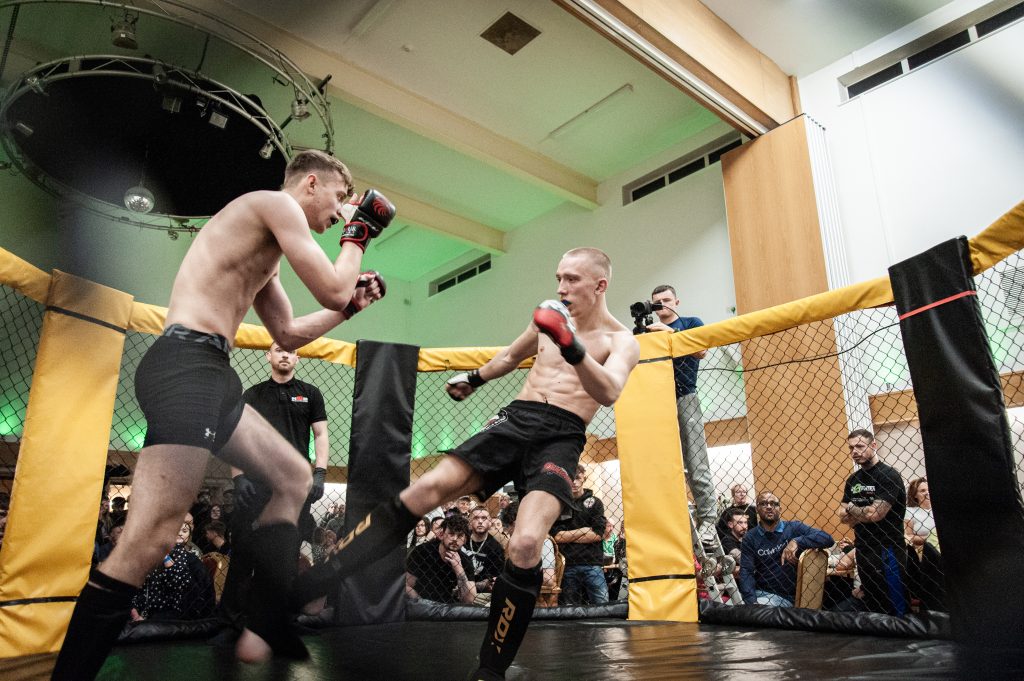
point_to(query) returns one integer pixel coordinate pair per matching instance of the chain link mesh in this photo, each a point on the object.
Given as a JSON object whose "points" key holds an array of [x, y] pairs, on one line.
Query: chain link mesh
{"points": [[20, 321], [776, 414]]}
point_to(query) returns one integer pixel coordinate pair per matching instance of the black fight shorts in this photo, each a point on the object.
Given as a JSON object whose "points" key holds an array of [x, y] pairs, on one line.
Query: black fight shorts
{"points": [[535, 445], [188, 391]]}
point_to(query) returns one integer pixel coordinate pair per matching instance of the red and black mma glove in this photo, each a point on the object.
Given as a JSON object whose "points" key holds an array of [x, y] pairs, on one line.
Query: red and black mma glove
{"points": [[365, 279], [552, 318], [366, 217]]}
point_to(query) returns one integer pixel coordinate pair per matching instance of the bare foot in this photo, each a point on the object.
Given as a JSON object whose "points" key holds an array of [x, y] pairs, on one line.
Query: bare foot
{"points": [[252, 648]]}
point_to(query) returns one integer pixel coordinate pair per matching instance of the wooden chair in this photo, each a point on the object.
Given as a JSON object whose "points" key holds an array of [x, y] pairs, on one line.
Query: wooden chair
{"points": [[810, 578], [217, 565], [548, 596]]}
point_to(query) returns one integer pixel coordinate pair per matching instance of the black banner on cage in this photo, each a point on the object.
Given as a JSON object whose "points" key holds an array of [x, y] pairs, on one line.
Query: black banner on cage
{"points": [[968, 452], [378, 469]]}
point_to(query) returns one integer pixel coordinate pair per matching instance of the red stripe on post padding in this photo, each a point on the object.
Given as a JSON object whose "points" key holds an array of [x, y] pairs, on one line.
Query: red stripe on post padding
{"points": [[937, 303]]}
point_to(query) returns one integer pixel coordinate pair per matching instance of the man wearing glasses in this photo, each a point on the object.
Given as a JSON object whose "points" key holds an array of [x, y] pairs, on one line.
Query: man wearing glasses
{"points": [[770, 552]]}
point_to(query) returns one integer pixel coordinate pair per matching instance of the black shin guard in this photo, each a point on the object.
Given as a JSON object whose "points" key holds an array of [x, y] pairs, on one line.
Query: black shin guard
{"points": [[512, 601], [99, 616], [275, 554], [384, 528]]}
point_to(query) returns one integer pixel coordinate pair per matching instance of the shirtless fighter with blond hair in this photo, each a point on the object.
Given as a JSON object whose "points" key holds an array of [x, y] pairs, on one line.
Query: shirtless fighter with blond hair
{"points": [[192, 399], [583, 358]]}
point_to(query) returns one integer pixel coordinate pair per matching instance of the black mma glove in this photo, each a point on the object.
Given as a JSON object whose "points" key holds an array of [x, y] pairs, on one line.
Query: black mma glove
{"points": [[365, 280], [366, 218], [317, 490], [553, 320], [455, 384], [245, 493]]}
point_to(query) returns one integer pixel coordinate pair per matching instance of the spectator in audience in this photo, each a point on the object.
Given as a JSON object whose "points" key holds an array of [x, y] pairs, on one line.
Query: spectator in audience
{"points": [[322, 548], [578, 533], [190, 545], [118, 508], [435, 526], [920, 522], [336, 518], [925, 578], [770, 553], [420, 534], [112, 539], [874, 504], [3, 523], [737, 526], [688, 412], [214, 538], [463, 505], [841, 579], [228, 505], [180, 589], [438, 570], [503, 501], [486, 554], [741, 502]]}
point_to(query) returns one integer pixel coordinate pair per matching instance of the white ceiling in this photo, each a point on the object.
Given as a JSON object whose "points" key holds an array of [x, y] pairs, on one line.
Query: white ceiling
{"points": [[460, 130], [802, 36]]}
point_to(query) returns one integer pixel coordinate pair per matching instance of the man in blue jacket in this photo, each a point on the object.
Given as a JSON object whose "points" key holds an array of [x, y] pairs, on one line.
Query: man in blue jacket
{"points": [[770, 551]]}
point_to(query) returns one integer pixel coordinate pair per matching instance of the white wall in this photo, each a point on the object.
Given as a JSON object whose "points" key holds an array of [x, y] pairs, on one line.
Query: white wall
{"points": [[675, 236], [930, 156]]}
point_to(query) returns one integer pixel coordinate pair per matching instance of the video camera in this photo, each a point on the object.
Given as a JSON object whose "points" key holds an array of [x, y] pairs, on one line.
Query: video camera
{"points": [[641, 313]]}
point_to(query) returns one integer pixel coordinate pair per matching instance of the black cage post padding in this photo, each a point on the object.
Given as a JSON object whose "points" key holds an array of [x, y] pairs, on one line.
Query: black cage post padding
{"points": [[968, 453], [378, 468]]}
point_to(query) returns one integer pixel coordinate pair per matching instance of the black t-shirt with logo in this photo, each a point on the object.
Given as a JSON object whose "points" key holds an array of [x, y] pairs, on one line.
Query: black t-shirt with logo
{"points": [[589, 512], [867, 485], [292, 408], [435, 578]]}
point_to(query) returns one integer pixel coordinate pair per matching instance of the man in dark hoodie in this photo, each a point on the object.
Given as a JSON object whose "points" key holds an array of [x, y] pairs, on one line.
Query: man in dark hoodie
{"points": [[578, 532]]}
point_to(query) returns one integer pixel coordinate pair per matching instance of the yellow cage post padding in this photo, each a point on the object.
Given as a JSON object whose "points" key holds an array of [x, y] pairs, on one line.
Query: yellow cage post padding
{"points": [[46, 551], [662, 585]]}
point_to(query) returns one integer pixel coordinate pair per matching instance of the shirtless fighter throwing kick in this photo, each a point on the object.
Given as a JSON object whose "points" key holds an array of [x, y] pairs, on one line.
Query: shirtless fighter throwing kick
{"points": [[584, 356]]}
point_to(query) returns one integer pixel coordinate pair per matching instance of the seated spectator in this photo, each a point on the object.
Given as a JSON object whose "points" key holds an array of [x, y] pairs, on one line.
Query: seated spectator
{"points": [[841, 578], [115, 534], [180, 589], [323, 548], [190, 545], [739, 502], [438, 570], [420, 534], [483, 550], [770, 553], [118, 508], [463, 505], [214, 538], [435, 526], [737, 526], [335, 518]]}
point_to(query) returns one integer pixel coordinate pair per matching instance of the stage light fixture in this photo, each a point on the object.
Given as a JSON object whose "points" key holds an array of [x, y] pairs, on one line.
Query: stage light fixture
{"points": [[122, 31], [300, 109], [171, 104], [267, 150], [218, 119], [138, 199], [24, 128]]}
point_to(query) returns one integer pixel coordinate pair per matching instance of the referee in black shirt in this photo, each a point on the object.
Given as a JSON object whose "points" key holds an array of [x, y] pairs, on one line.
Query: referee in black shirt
{"points": [[294, 408]]}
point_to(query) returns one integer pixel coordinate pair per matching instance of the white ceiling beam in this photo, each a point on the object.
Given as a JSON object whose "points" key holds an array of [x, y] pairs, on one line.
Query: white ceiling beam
{"points": [[429, 217], [411, 111]]}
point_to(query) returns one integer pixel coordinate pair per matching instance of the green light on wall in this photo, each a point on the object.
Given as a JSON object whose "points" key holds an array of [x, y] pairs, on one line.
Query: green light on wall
{"points": [[419, 448], [133, 436], [12, 414]]}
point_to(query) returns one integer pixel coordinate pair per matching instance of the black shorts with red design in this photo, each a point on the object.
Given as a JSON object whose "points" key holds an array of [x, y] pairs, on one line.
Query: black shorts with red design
{"points": [[535, 445]]}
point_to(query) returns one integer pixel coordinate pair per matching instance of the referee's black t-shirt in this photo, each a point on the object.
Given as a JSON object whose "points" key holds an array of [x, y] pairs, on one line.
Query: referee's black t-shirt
{"points": [[292, 408]]}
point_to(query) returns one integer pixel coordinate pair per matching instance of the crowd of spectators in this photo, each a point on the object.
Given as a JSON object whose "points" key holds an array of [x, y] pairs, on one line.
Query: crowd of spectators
{"points": [[456, 552]]}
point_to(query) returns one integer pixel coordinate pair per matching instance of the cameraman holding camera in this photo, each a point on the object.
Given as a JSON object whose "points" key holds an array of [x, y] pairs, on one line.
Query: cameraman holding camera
{"points": [[664, 303]]}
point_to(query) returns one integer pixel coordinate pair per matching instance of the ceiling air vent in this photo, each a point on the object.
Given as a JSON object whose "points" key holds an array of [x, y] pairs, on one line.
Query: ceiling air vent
{"points": [[510, 33]]}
